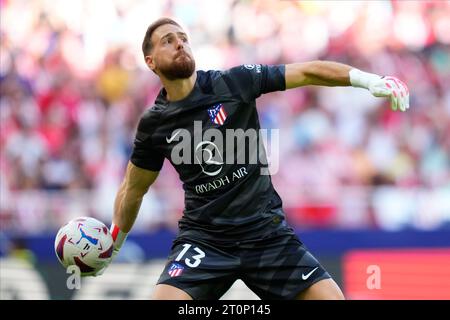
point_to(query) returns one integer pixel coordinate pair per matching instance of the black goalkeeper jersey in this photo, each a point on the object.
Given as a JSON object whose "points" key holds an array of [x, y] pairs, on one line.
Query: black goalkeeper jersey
{"points": [[227, 198]]}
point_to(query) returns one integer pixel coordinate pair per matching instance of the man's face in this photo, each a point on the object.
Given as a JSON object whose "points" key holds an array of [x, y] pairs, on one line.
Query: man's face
{"points": [[171, 55]]}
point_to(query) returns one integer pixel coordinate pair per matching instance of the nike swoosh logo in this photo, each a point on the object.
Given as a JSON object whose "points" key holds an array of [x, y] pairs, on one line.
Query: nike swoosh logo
{"points": [[169, 140], [306, 276]]}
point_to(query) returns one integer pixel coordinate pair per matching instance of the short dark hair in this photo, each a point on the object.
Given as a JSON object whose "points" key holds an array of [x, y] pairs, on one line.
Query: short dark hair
{"points": [[147, 45]]}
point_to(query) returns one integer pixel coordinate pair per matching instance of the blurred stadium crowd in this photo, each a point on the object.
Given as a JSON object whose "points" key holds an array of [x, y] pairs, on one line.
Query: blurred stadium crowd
{"points": [[74, 83]]}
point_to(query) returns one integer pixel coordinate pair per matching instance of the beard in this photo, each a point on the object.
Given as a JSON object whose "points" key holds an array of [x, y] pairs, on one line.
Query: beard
{"points": [[179, 69]]}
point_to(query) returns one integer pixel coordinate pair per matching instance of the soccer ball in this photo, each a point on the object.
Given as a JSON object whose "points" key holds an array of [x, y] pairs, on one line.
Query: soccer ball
{"points": [[86, 243]]}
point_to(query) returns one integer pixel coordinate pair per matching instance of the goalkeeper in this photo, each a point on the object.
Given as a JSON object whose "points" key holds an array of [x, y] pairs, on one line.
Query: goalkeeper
{"points": [[231, 228]]}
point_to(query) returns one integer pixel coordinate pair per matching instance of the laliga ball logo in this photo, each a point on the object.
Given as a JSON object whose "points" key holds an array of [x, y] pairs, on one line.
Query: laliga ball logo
{"points": [[86, 243]]}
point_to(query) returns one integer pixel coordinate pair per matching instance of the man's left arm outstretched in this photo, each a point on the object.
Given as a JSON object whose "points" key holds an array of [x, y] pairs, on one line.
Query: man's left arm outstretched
{"points": [[329, 73]]}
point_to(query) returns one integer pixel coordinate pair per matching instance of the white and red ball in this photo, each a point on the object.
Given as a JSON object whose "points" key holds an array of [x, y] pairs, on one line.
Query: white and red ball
{"points": [[85, 242]]}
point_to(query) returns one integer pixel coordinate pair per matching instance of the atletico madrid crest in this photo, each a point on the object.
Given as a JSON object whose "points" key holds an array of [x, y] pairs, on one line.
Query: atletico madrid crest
{"points": [[175, 270], [217, 114]]}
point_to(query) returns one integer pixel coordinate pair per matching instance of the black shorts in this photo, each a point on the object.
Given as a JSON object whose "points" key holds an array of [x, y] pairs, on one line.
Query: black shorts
{"points": [[277, 267]]}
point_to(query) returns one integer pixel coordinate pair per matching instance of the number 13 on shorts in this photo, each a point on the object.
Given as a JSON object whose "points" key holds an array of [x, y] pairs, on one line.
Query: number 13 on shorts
{"points": [[197, 258]]}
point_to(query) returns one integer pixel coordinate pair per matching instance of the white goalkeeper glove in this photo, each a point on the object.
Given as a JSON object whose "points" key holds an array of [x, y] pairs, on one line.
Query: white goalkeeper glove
{"points": [[119, 238], [382, 87]]}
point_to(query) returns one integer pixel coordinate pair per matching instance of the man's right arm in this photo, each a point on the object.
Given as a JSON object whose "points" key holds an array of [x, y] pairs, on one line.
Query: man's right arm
{"points": [[127, 204], [129, 197], [142, 170]]}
